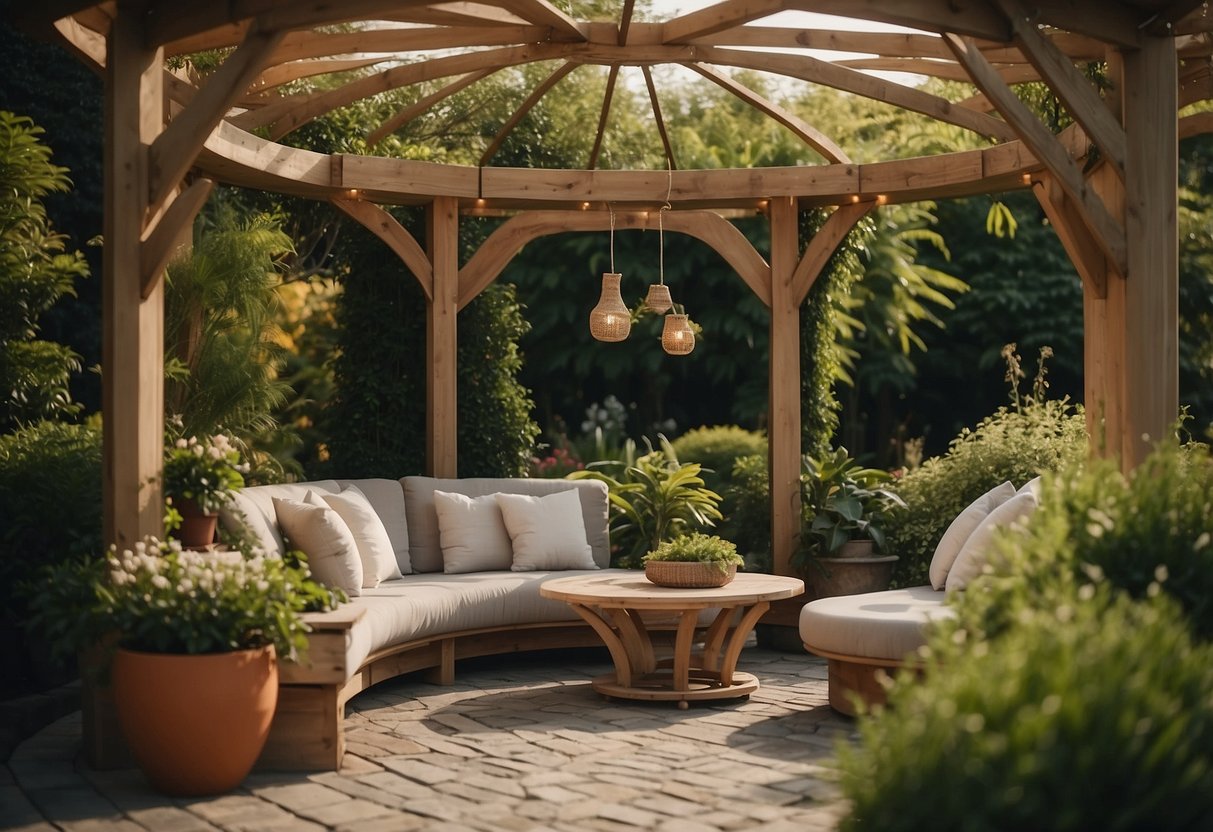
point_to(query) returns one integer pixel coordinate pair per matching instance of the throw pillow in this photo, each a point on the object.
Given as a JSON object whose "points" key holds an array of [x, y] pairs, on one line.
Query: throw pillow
{"points": [[975, 552], [547, 532], [370, 537], [960, 529], [1032, 485], [332, 554], [471, 533]]}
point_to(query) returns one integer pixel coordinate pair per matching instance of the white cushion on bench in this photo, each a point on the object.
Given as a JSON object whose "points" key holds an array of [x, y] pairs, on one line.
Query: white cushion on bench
{"points": [[876, 625]]}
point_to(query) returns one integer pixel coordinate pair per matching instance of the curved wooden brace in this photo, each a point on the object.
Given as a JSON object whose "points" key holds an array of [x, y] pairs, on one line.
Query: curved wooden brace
{"points": [[619, 653], [503, 244], [806, 132], [387, 228], [284, 73], [174, 150], [1195, 125], [159, 243], [823, 245]]}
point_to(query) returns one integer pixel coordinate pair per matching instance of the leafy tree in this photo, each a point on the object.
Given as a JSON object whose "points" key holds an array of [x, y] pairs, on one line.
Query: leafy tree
{"points": [[221, 355], [36, 270], [1196, 281]]}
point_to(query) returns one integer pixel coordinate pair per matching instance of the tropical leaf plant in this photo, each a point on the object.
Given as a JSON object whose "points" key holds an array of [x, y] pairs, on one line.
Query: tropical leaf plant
{"points": [[654, 498], [841, 502]]}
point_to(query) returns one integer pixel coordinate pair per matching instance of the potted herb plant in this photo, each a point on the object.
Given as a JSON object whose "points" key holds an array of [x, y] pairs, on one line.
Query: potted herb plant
{"points": [[841, 538], [693, 560], [191, 645], [199, 477]]}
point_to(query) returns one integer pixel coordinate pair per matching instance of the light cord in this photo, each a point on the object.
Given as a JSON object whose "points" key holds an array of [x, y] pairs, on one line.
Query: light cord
{"points": [[612, 210]]}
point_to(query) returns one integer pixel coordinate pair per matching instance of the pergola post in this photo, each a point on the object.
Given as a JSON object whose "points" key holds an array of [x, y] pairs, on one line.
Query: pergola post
{"points": [[783, 421], [132, 325], [1150, 322], [442, 243]]}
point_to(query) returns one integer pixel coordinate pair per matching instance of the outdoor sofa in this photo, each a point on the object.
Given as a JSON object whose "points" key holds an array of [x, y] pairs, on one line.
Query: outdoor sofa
{"points": [[411, 614]]}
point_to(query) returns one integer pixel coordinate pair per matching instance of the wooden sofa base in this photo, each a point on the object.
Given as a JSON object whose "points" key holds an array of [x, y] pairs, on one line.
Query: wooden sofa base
{"points": [[308, 729], [855, 679]]}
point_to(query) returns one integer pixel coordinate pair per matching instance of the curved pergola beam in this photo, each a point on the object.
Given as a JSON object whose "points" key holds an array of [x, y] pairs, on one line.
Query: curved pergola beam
{"points": [[276, 76], [503, 245]]}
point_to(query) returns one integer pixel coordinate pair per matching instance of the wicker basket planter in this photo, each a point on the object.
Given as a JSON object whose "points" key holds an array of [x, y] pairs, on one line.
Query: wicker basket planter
{"points": [[688, 574]]}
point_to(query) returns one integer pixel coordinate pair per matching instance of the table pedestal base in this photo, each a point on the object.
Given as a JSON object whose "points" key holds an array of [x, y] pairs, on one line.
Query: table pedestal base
{"points": [[701, 685]]}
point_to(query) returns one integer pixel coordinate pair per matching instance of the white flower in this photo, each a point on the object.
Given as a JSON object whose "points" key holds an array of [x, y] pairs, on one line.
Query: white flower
{"points": [[215, 453], [180, 443], [198, 450], [160, 582]]}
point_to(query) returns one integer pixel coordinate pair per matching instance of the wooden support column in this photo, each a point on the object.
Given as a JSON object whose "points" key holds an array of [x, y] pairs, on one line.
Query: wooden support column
{"points": [[442, 238], [132, 325], [783, 428], [1151, 307]]}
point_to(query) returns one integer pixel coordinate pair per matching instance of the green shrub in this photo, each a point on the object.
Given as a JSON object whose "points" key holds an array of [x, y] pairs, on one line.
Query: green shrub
{"points": [[748, 501], [1152, 531], [1014, 444], [1095, 715], [717, 449]]}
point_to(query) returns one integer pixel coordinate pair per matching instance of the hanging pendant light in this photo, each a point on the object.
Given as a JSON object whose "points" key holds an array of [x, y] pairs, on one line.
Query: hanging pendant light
{"points": [[611, 320], [677, 337], [658, 298]]}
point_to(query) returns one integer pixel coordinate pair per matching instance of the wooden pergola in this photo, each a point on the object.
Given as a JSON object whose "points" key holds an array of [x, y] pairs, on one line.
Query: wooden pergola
{"points": [[1107, 183]]}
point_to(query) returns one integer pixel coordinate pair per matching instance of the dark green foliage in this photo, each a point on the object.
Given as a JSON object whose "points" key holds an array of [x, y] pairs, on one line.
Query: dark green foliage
{"points": [[1093, 715], [50, 512], [1013, 444], [749, 520], [496, 432], [36, 270], [375, 421], [842, 501], [1196, 282]]}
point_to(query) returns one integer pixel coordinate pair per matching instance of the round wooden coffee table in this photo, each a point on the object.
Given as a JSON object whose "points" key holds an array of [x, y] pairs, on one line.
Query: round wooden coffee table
{"points": [[612, 604]]}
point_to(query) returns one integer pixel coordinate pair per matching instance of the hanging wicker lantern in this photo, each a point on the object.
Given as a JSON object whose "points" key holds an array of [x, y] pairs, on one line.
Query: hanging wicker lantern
{"points": [[677, 338], [658, 298], [610, 320]]}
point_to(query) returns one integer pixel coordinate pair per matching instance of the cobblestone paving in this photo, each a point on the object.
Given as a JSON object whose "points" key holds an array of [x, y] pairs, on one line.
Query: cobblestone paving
{"points": [[516, 744]]}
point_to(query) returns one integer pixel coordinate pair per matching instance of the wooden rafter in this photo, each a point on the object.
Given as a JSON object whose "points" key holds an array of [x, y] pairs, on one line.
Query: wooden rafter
{"points": [[1067, 222], [456, 14], [823, 245], [303, 45], [88, 45], [509, 238], [806, 132], [293, 113], [612, 77], [625, 22], [387, 228], [531, 100], [276, 76], [939, 69], [665, 135], [1044, 145], [717, 18], [850, 80], [1081, 99], [1109, 22], [968, 17], [543, 13], [174, 150], [422, 104]]}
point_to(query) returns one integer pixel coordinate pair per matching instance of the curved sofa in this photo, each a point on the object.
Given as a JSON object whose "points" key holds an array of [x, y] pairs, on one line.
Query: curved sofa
{"points": [[423, 620], [867, 636]]}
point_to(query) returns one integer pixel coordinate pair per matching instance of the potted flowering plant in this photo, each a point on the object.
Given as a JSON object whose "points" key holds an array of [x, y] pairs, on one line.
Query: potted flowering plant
{"points": [[194, 638], [199, 477]]}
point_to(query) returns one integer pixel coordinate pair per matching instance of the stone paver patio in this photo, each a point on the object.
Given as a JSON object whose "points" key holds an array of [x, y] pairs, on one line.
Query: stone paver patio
{"points": [[518, 743]]}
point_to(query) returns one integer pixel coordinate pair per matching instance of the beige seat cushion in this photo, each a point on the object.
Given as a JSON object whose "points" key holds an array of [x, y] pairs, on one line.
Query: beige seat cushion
{"points": [[876, 625]]}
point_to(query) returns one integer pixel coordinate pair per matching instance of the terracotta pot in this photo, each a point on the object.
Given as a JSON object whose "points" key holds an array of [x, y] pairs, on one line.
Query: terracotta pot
{"points": [[197, 527], [195, 724]]}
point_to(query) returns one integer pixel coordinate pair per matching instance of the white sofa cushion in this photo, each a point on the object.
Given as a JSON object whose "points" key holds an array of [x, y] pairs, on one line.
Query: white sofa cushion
{"points": [[546, 532], [374, 545], [876, 625], [387, 498], [253, 509], [425, 547], [973, 556], [332, 553], [958, 532], [472, 533]]}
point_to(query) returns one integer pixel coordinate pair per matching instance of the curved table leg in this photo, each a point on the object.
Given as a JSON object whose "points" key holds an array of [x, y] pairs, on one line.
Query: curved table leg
{"points": [[635, 638], [729, 663], [714, 640], [619, 653], [682, 652]]}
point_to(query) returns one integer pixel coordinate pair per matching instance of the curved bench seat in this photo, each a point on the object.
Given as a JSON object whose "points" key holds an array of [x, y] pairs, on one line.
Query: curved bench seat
{"points": [[864, 636]]}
